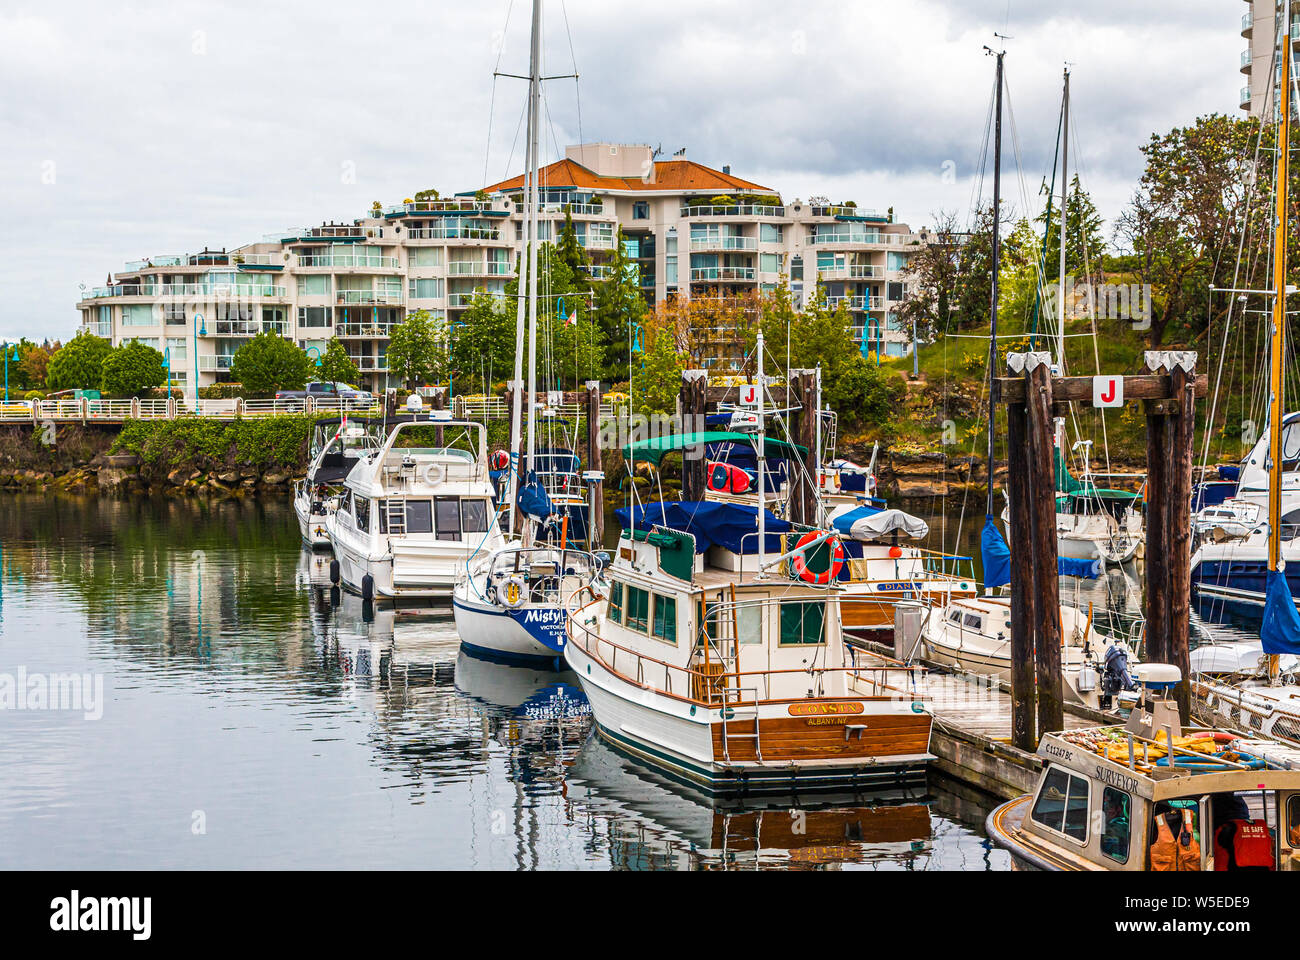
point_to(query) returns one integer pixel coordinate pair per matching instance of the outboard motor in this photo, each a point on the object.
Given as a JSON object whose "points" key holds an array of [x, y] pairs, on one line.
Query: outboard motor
{"points": [[1115, 677]]}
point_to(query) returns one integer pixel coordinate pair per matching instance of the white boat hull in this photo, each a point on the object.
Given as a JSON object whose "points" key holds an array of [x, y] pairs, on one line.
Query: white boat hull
{"points": [[488, 629], [310, 525]]}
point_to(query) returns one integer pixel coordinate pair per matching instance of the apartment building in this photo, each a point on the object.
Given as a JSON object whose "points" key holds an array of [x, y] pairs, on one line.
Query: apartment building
{"points": [[1259, 26], [691, 230]]}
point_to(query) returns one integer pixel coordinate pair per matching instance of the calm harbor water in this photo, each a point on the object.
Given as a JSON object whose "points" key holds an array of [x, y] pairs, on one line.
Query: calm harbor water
{"points": [[248, 720]]}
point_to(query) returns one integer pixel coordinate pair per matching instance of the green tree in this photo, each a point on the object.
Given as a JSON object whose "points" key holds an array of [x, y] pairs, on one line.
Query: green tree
{"points": [[1084, 241], [619, 309], [268, 363], [336, 366], [657, 368], [79, 363], [483, 342], [569, 251], [416, 351], [131, 369]]}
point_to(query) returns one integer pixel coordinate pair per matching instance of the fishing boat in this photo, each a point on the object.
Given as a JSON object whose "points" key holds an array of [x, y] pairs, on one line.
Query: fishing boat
{"points": [[509, 600], [1149, 795], [336, 446], [411, 517]]}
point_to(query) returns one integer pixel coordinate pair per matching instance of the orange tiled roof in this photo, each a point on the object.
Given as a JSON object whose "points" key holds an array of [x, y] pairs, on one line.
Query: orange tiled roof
{"points": [[669, 175]]}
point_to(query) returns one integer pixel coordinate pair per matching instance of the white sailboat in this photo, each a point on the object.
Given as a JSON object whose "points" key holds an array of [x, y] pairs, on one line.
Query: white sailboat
{"points": [[509, 600]]}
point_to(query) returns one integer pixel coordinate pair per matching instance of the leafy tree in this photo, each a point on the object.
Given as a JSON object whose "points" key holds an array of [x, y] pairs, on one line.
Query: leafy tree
{"points": [[268, 363], [933, 274], [79, 363], [336, 366], [34, 360], [483, 342], [568, 250], [619, 308], [131, 369], [657, 369], [416, 350], [1084, 242]]}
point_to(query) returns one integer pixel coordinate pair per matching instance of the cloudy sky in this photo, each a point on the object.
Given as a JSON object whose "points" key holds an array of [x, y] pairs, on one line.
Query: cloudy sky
{"points": [[134, 129]]}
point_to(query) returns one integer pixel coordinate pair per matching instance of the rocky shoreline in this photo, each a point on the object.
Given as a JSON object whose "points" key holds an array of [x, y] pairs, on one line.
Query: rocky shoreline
{"points": [[120, 475]]}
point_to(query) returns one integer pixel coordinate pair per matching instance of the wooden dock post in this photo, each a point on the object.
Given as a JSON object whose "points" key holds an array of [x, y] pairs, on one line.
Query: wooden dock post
{"points": [[1171, 425], [694, 390], [1023, 701], [1041, 537], [803, 494], [597, 492]]}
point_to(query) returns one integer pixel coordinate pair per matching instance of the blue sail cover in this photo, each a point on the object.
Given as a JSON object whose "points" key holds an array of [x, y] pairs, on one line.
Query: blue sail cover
{"points": [[1280, 631], [732, 526], [996, 554], [1072, 567], [533, 500]]}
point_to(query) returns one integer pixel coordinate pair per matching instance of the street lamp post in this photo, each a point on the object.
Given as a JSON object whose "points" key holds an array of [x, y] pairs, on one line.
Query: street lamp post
{"points": [[7, 356], [200, 329], [167, 364]]}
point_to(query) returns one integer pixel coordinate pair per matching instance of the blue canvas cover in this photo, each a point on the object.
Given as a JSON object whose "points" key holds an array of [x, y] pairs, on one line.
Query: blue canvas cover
{"points": [[533, 500], [996, 554], [725, 524], [1280, 631], [1073, 567]]}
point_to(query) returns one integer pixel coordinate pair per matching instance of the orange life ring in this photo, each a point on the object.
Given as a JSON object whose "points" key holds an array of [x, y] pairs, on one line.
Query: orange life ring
{"points": [[800, 564]]}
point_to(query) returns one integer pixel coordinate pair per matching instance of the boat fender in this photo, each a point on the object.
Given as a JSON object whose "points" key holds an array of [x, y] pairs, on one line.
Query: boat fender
{"points": [[432, 474], [334, 572], [800, 562], [514, 592], [367, 588]]}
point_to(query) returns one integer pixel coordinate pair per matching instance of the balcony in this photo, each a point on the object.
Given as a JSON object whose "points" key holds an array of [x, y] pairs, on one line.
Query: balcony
{"points": [[278, 327], [721, 274], [733, 210], [466, 268], [326, 231], [577, 209], [454, 233], [364, 331], [1247, 23], [1245, 97], [437, 207], [220, 361], [260, 261], [597, 242], [370, 364], [1245, 59], [828, 239], [842, 210], [856, 303], [368, 297], [724, 243], [350, 261], [235, 328], [124, 290], [852, 271], [135, 265]]}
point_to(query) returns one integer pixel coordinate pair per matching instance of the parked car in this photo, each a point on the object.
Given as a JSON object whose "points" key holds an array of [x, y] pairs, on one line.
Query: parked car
{"points": [[352, 398]]}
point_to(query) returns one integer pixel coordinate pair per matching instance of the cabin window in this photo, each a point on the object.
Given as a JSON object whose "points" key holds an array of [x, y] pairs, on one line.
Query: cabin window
{"points": [[419, 516], [447, 516], [802, 622], [638, 609], [363, 514], [955, 617], [474, 516], [1116, 807], [973, 621], [615, 609], [665, 621], [1062, 804]]}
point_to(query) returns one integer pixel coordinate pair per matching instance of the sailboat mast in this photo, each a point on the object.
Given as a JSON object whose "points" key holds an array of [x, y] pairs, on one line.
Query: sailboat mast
{"points": [[1280, 236], [517, 397], [534, 111], [762, 463], [1065, 199], [997, 257]]}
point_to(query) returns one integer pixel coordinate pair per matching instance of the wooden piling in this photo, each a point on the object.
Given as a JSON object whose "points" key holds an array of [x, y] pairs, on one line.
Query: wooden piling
{"points": [[1042, 539], [1181, 427], [1158, 599], [803, 483], [1022, 581], [694, 390], [597, 492]]}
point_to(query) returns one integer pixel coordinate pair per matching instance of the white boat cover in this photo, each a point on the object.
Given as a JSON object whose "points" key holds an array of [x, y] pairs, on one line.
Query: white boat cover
{"points": [[866, 524]]}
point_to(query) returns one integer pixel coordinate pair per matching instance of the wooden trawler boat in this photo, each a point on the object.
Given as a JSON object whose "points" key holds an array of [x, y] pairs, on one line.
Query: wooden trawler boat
{"points": [[1149, 796], [411, 517], [337, 445], [706, 661], [880, 572]]}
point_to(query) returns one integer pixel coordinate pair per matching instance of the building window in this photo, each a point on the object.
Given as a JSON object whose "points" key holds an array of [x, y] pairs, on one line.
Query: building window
{"points": [[895, 290], [313, 317], [641, 210], [769, 263], [771, 233], [424, 257], [138, 315], [428, 289], [177, 346], [796, 268], [313, 285], [670, 271]]}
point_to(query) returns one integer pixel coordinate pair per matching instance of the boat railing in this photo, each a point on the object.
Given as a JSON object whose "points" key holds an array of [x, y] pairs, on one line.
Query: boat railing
{"points": [[704, 682]]}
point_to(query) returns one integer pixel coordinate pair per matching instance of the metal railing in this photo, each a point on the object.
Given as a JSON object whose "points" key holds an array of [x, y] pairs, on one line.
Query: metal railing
{"points": [[710, 274], [375, 261], [724, 243], [733, 210], [363, 330], [368, 297]]}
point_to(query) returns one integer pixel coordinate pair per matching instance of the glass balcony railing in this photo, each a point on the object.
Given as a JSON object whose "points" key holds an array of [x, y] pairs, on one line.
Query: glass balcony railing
{"points": [[363, 330], [220, 361], [454, 233], [368, 296], [724, 243], [733, 210], [235, 328], [721, 274], [369, 261]]}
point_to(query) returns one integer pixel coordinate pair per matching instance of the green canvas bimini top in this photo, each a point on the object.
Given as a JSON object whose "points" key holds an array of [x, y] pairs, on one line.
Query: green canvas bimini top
{"points": [[657, 448]]}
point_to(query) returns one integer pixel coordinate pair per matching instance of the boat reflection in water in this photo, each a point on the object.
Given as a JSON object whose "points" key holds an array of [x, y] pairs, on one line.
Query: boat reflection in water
{"points": [[655, 823]]}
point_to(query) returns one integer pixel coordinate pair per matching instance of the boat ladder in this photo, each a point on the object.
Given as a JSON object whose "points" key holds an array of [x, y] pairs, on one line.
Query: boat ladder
{"points": [[395, 515], [738, 710]]}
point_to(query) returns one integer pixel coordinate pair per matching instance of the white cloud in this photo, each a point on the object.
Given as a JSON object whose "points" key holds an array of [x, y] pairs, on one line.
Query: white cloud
{"points": [[171, 126]]}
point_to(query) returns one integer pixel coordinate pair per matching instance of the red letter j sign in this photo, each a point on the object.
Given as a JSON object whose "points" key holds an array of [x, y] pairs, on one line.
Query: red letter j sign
{"points": [[1108, 391]]}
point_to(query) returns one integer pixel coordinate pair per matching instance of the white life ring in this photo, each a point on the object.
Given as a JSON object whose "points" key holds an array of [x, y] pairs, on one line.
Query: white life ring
{"points": [[514, 592], [432, 474]]}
